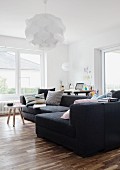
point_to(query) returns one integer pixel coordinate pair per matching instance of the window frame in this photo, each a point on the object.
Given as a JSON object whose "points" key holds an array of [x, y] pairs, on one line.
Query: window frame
{"points": [[18, 70], [103, 55], [99, 67]]}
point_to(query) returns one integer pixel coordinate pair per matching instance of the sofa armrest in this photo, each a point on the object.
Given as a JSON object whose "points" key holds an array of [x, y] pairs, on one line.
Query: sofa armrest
{"points": [[112, 125], [88, 120]]}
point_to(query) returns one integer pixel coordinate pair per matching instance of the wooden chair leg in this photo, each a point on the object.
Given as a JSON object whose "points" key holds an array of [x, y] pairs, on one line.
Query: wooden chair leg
{"points": [[14, 117], [9, 114], [20, 111]]}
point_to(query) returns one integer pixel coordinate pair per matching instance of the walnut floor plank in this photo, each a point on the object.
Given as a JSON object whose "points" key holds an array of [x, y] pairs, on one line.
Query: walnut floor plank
{"points": [[20, 149]]}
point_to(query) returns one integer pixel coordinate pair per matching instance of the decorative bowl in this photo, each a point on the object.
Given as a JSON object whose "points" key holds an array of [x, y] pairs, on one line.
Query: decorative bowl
{"points": [[9, 104]]}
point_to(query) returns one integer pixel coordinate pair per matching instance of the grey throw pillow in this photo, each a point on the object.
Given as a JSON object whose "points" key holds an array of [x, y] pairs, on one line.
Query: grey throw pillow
{"points": [[54, 98]]}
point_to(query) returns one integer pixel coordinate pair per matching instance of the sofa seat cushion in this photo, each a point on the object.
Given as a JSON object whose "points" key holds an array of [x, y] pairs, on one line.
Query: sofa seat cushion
{"points": [[53, 121], [30, 110], [49, 109], [46, 109]]}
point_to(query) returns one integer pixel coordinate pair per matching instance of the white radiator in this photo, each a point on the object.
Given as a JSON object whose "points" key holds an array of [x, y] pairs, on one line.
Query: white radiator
{"points": [[4, 110]]}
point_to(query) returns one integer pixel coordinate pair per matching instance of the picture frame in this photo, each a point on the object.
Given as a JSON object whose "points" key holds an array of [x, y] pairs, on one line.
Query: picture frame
{"points": [[79, 86]]}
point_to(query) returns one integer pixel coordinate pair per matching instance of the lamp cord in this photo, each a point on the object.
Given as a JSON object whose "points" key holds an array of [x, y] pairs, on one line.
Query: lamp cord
{"points": [[45, 5]]}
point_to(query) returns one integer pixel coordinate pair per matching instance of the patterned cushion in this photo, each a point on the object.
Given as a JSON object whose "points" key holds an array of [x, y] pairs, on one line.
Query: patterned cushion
{"points": [[54, 98], [37, 101], [34, 99], [29, 98]]}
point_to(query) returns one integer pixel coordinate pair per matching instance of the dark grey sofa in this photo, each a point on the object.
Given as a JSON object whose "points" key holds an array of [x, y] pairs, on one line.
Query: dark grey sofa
{"points": [[29, 112], [92, 128]]}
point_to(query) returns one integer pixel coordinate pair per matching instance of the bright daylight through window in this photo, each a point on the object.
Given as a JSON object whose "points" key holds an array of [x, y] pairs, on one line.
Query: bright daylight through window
{"points": [[7, 72], [30, 73], [19, 72], [112, 70]]}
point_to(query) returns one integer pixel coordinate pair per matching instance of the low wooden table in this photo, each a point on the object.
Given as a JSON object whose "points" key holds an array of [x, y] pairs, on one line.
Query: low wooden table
{"points": [[76, 92], [82, 91], [13, 108]]}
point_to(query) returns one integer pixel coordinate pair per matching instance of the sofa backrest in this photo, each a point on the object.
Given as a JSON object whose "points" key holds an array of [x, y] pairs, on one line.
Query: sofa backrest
{"points": [[68, 100], [22, 100], [45, 91], [116, 94]]}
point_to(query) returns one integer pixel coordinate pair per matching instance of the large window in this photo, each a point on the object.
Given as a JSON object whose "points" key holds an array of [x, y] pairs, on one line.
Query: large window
{"points": [[107, 69], [7, 72], [112, 70], [30, 72], [19, 72]]}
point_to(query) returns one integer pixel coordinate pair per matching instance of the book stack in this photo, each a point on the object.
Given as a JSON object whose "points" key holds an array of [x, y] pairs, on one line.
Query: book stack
{"points": [[113, 99], [104, 100]]}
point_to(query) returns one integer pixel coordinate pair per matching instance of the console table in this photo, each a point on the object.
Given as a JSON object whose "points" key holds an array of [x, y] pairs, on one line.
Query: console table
{"points": [[76, 92]]}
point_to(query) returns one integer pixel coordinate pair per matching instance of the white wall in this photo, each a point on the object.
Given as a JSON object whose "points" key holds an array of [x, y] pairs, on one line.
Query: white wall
{"points": [[80, 58], [55, 57], [81, 54], [13, 42]]}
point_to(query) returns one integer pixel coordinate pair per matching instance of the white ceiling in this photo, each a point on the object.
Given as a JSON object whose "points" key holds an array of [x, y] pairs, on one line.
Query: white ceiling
{"points": [[82, 18]]}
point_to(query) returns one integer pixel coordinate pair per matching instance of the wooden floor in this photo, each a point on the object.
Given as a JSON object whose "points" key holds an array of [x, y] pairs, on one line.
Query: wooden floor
{"points": [[20, 149]]}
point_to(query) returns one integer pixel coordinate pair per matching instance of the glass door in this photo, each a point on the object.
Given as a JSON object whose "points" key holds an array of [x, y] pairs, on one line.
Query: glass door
{"points": [[112, 70]]}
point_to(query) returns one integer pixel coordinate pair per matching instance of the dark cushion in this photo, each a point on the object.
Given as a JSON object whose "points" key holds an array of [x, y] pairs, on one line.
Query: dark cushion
{"points": [[45, 91], [52, 121], [116, 94], [46, 109], [22, 100]]}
